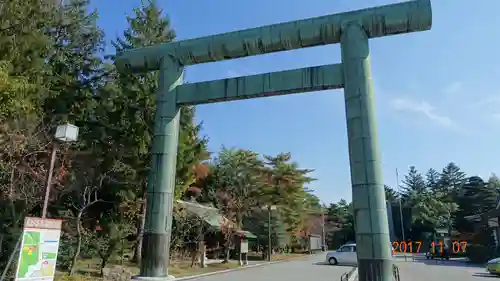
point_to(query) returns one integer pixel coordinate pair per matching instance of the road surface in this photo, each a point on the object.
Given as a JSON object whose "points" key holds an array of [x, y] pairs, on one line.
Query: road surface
{"points": [[313, 268], [453, 270]]}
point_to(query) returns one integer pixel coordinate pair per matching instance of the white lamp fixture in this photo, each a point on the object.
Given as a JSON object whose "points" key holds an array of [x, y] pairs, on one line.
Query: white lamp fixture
{"points": [[67, 133]]}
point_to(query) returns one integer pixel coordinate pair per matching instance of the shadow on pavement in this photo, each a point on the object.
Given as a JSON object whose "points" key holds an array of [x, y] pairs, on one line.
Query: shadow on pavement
{"points": [[451, 263], [485, 275], [327, 264]]}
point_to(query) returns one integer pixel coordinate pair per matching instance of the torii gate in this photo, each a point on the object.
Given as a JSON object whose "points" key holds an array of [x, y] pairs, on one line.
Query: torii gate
{"points": [[352, 30]]}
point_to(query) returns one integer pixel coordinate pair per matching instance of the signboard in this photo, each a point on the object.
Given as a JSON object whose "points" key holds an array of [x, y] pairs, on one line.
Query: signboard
{"points": [[244, 247], [38, 254], [315, 242]]}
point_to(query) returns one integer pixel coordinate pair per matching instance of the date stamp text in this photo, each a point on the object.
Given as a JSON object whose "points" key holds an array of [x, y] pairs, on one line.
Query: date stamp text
{"points": [[439, 246]]}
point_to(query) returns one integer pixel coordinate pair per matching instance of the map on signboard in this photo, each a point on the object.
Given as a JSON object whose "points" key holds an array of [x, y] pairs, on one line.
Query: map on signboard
{"points": [[38, 256]]}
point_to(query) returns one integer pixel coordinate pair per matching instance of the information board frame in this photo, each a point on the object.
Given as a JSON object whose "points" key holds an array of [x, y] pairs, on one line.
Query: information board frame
{"points": [[39, 249]]}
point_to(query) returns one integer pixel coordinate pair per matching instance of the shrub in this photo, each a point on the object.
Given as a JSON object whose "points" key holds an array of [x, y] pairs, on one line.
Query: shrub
{"points": [[480, 253], [65, 254]]}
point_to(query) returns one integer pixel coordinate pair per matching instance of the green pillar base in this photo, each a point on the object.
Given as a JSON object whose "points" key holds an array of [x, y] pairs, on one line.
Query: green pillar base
{"points": [[154, 254], [375, 270]]}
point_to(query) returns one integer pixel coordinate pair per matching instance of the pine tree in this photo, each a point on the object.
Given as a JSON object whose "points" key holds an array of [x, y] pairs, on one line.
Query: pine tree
{"points": [[390, 194], [469, 202], [432, 180], [75, 62], [135, 107], [413, 186], [451, 178], [489, 194]]}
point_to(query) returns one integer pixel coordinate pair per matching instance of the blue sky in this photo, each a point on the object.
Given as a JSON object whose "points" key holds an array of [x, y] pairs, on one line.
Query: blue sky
{"points": [[437, 99]]}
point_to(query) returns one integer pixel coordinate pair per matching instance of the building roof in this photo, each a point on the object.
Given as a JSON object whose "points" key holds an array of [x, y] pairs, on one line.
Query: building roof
{"points": [[246, 234], [209, 214], [490, 216]]}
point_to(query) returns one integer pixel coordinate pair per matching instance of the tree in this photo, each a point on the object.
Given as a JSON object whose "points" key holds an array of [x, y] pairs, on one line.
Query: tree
{"points": [[231, 187], [451, 179], [339, 224], [390, 194], [432, 212], [24, 46], [133, 109], [257, 222], [475, 197], [75, 62], [15, 94], [284, 186], [48, 59], [192, 151], [432, 179], [82, 196], [413, 186]]}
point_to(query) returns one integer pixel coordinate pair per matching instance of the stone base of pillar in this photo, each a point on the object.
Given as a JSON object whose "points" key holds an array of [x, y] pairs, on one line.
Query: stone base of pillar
{"points": [[143, 278]]}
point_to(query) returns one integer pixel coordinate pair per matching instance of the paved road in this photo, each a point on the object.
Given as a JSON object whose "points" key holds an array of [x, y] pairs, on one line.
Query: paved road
{"points": [[312, 268], [453, 270]]}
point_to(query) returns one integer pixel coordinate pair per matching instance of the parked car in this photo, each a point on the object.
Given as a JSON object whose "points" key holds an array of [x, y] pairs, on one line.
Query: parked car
{"points": [[438, 253], [346, 254], [493, 266]]}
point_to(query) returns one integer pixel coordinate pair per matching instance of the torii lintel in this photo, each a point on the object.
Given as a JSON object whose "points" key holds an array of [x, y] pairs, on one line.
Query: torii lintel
{"points": [[379, 21]]}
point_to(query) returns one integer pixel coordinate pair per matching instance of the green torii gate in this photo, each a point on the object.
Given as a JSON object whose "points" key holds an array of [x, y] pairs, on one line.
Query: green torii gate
{"points": [[352, 30]]}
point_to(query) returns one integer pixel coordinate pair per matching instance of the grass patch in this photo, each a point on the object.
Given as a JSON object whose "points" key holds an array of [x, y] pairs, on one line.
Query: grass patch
{"points": [[285, 257], [183, 271], [89, 270]]}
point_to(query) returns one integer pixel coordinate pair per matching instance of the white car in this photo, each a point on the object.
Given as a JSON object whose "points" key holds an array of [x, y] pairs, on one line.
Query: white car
{"points": [[344, 255]]}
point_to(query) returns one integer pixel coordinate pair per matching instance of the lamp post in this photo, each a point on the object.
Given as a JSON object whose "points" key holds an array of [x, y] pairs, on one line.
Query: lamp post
{"points": [[269, 209], [323, 228], [400, 207], [64, 133]]}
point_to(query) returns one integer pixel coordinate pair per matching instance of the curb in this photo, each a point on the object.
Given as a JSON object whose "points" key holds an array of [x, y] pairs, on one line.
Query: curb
{"points": [[236, 269]]}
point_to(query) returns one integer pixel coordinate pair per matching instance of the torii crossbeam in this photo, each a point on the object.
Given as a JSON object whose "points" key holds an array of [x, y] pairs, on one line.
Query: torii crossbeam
{"points": [[352, 30]]}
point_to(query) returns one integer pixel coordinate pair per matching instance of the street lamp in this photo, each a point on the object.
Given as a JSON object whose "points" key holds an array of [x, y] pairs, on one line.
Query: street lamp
{"points": [[269, 209], [323, 227], [64, 133]]}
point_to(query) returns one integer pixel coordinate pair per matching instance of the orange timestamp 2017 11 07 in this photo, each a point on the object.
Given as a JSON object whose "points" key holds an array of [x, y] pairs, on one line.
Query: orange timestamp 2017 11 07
{"points": [[415, 246]]}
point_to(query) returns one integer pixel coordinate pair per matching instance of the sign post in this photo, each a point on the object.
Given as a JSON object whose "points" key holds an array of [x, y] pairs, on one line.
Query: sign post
{"points": [[39, 247], [243, 251]]}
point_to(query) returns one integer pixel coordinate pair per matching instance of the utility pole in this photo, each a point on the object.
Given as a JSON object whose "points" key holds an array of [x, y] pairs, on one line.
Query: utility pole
{"points": [[323, 227], [400, 207], [269, 251], [49, 179], [269, 209]]}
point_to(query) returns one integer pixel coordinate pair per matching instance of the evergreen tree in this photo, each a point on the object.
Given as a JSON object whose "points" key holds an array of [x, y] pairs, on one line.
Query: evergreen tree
{"points": [[469, 202], [285, 186], [451, 179], [258, 222], [133, 109], [489, 194], [339, 224], [24, 47], [432, 180], [390, 194], [413, 186], [75, 62]]}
